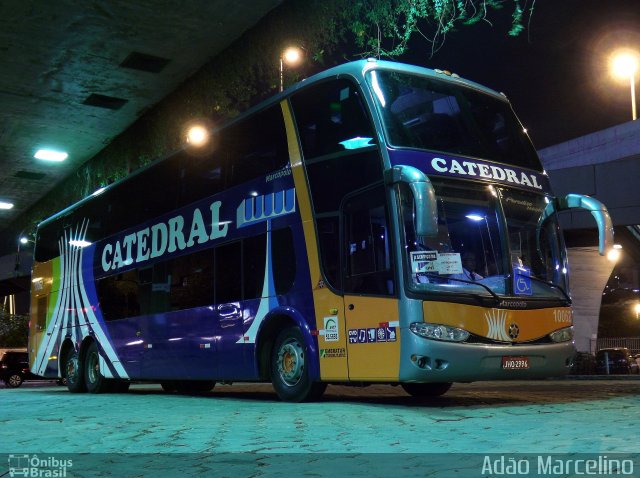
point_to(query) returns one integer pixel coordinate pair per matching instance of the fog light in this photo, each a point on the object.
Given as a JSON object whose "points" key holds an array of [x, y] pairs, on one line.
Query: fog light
{"points": [[562, 335], [439, 332]]}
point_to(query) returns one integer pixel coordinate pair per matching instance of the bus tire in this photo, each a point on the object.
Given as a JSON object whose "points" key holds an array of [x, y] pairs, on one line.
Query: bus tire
{"points": [[73, 372], [290, 370], [426, 389], [95, 381]]}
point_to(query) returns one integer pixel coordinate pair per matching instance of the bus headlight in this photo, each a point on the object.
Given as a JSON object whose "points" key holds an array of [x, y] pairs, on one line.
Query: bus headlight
{"points": [[439, 332], [562, 335]]}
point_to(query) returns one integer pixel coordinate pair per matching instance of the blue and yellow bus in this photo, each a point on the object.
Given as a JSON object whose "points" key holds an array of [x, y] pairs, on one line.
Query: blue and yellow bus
{"points": [[376, 223]]}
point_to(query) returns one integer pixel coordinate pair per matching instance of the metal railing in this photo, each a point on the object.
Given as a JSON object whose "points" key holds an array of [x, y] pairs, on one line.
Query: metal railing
{"points": [[632, 343]]}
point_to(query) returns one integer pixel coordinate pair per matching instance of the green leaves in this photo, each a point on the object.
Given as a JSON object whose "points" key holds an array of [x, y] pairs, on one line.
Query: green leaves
{"points": [[383, 28]]}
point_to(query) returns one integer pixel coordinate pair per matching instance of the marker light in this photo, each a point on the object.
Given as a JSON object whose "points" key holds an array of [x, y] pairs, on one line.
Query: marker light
{"points": [[48, 155], [5, 205]]}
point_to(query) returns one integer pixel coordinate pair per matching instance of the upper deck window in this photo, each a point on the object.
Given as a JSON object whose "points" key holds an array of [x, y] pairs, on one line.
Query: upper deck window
{"points": [[424, 113]]}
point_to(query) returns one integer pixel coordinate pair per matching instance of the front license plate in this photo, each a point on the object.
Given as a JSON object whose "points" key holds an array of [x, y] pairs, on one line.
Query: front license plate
{"points": [[515, 363]]}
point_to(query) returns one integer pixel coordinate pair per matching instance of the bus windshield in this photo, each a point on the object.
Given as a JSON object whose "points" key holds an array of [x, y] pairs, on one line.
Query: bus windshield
{"points": [[470, 255], [424, 113]]}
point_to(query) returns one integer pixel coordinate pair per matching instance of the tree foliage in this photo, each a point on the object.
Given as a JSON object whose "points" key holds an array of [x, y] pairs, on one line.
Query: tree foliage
{"points": [[14, 329], [384, 27]]}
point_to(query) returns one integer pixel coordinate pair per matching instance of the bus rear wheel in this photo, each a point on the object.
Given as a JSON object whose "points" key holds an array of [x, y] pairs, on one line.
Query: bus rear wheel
{"points": [[426, 389], [290, 371], [95, 381], [73, 372]]}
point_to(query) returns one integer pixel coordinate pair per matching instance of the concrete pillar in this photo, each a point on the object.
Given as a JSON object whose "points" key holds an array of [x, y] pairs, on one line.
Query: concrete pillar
{"points": [[589, 273]]}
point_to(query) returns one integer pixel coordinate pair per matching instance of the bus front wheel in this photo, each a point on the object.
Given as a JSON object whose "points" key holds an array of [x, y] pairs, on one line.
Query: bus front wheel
{"points": [[290, 370], [426, 389]]}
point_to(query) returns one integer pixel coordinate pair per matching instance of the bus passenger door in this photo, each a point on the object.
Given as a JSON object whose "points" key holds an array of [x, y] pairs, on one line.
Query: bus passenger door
{"points": [[371, 305]]}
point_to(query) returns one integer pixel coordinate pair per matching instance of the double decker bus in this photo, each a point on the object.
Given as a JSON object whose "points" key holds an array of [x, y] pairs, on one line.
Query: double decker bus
{"points": [[376, 223]]}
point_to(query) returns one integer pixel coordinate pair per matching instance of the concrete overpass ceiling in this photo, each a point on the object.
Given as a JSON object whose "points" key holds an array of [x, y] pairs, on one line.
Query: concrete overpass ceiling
{"points": [[74, 75]]}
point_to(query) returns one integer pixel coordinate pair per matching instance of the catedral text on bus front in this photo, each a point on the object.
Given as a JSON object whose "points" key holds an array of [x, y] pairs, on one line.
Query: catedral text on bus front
{"points": [[377, 223]]}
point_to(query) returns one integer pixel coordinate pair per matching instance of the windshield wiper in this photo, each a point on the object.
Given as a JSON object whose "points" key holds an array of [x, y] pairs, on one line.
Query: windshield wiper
{"points": [[550, 284], [487, 288]]}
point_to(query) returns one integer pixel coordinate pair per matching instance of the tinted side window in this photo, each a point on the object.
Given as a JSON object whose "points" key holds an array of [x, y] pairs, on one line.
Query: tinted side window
{"points": [[119, 295], [331, 179], [255, 146], [329, 117], [336, 133], [181, 283], [200, 178], [367, 249], [228, 282], [192, 280], [284, 260], [254, 255]]}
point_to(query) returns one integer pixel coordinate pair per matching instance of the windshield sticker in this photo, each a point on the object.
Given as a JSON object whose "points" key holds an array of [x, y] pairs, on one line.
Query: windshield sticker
{"points": [[522, 281], [423, 261]]}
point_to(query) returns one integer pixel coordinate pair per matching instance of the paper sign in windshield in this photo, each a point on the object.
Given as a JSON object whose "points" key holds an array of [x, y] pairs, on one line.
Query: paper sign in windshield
{"points": [[449, 263], [436, 262]]}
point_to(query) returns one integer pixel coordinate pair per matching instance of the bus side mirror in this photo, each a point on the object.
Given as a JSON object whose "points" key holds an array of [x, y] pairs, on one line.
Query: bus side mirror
{"points": [[424, 197], [597, 210]]}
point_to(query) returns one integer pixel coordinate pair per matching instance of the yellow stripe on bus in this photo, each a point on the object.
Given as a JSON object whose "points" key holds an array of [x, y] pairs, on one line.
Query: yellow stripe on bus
{"points": [[333, 353]]}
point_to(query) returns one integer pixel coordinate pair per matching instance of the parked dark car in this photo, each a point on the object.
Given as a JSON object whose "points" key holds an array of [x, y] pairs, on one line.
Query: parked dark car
{"points": [[584, 363], [14, 368], [620, 361]]}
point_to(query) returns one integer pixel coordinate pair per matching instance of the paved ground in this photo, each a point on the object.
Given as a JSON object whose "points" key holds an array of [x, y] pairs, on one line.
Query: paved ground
{"points": [[562, 416]]}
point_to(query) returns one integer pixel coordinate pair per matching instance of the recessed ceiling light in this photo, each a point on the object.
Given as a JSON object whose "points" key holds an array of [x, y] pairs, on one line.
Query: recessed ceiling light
{"points": [[5, 205], [48, 155]]}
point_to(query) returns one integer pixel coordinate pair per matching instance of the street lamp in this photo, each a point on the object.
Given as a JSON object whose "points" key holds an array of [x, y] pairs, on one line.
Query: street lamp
{"points": [[291, 56], [625, 65]]}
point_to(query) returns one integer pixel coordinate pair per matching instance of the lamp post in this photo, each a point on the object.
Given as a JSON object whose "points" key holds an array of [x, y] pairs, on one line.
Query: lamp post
{"points": [[625, 65], [290, 56]]}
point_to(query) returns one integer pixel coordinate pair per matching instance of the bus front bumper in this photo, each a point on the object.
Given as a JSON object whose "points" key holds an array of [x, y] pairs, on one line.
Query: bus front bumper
{"points": [[425, 360]]}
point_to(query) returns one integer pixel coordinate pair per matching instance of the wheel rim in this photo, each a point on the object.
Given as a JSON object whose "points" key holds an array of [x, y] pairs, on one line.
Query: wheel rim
{"points": [[93, 367], [72, 369], [290, 362], [15, 380]]}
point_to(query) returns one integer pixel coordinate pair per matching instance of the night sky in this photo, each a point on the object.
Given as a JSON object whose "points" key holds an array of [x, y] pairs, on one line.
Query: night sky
{"points": [[555, 73]]}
